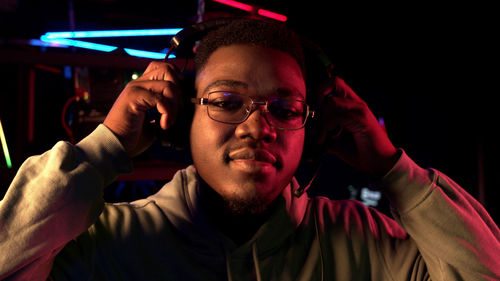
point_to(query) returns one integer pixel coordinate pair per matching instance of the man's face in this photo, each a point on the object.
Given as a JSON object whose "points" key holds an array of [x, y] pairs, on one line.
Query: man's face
{"points": [[249, 163]]}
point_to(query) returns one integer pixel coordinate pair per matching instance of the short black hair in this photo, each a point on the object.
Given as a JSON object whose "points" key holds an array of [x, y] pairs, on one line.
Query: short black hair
{"points": [[251, 31]]}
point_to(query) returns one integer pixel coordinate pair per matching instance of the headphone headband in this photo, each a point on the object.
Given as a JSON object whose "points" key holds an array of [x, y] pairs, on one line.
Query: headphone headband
{"points": [[185, 39]]}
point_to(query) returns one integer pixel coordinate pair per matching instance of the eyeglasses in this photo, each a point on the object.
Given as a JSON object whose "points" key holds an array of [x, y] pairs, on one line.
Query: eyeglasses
{"points": [[233, 108]]}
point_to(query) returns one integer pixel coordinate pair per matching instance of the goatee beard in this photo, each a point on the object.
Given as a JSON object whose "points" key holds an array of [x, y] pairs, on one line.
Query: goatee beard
{"points": [[239, 207]]}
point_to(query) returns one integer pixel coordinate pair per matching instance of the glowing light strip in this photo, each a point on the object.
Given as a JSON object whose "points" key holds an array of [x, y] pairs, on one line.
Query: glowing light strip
{"points": [[147, 54], [80, 44], [271, 15], [112, 33], [63, 39], [249, 8], [237, 5], [40, 43], [4, 147]]}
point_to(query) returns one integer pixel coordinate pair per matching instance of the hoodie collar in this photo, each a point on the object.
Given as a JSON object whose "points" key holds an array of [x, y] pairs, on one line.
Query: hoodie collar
{"points": [[180, 202]]}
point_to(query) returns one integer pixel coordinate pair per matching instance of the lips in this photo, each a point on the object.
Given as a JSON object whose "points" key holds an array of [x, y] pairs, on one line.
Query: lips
{"points": [[258, 155]]}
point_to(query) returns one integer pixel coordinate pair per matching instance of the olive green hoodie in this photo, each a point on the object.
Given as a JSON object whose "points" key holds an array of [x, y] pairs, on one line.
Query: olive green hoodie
{"points": [[54, 224]]}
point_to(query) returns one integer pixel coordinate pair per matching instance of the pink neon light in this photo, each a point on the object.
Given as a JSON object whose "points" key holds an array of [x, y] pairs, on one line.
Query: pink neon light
{"points": [[236, 4], [272, 15], [250, 8]]}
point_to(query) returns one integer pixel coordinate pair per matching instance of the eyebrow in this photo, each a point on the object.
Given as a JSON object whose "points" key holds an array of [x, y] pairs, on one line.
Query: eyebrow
{"points": [[280, 92], [288, 93], [227, 83]]}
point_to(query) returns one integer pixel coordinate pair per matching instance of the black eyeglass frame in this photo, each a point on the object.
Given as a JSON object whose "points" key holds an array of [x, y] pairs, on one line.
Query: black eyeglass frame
{"points": [[255, 103]]}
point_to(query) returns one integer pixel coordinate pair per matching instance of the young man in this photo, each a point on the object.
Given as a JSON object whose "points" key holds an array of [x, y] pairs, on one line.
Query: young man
{"points": [[233, 215]]}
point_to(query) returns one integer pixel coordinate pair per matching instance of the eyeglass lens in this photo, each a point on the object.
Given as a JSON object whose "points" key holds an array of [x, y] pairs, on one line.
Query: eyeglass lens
{"points": [[235, 108]]}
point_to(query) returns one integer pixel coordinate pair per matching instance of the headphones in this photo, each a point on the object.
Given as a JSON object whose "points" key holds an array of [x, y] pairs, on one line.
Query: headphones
{"points": [[318, 69]]}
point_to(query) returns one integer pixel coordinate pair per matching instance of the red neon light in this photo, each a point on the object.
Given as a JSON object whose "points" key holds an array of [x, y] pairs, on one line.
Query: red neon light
{"points": [[272, 15], [236, 4], [250, 8]]}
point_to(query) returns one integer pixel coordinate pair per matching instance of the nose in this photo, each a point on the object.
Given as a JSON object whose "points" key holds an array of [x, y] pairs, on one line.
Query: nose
{"points": [[256, 126]]}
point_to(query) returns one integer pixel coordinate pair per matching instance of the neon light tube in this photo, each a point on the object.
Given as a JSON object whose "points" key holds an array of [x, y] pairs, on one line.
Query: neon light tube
{"points": [[4, 147], [271, 15], [80, 44], [249, 8], [236, 4], [147, 54], [112, 33], [40, 43]]}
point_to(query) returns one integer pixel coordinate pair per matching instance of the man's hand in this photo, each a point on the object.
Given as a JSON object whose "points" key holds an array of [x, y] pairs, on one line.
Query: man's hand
{"points": [[157, 87], [351, 132]]}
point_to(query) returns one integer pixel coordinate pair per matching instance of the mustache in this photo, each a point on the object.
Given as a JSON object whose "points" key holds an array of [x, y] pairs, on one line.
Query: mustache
{"points": [[253, 154], [252, 151]]}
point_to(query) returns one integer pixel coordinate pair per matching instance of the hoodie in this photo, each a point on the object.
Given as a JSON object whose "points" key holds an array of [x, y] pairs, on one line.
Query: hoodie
{"points": [[55, 225]]}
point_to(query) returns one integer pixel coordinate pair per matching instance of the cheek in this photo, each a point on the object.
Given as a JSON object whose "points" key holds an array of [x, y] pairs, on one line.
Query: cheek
{"points": [[294, 144], [206, 137], [297, 141], [197, 140]]}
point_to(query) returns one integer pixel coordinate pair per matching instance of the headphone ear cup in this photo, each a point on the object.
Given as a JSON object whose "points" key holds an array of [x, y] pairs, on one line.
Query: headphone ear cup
{"points": [[177, 135], [319, 72]]}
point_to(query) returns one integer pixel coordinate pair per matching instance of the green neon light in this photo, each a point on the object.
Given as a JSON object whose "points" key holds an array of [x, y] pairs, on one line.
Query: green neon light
{"points": [[4, 147]]}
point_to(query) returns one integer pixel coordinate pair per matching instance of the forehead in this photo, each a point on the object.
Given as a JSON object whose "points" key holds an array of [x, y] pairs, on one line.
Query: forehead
{"points": [[257, 70]]}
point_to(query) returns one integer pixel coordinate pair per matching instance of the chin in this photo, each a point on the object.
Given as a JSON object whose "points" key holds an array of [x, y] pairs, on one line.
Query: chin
{"points": [[240, 207], [251, 198]]}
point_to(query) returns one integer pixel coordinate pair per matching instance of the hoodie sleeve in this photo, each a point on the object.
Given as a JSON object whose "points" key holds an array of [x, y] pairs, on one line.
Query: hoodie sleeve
{"points": [[455, 236], [53, 198]]}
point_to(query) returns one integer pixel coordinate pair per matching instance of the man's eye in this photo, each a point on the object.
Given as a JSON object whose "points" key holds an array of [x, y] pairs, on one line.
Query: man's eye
{"points": [[286, 113], [226, 104], [285, 110]]}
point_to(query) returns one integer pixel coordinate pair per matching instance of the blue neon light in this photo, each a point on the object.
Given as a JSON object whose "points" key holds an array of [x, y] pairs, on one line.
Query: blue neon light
{"points": [[66, 38], [146, 54], [80, 44], [113, 33], [40, 43]]}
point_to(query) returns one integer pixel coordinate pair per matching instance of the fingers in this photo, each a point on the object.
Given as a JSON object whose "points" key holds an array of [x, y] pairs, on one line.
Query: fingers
{"points": [[362, 142], [340, 114], [169, 101], [342, 102], [160, 71], [342, 110], [157, 87], [164, 95]]}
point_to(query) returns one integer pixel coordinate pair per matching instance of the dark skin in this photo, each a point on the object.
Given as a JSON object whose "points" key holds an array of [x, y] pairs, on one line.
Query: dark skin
{"points": [[253, 182]]}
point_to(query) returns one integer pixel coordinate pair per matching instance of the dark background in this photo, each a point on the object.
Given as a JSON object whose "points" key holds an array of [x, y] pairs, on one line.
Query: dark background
{"points": [[428, 69]]}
